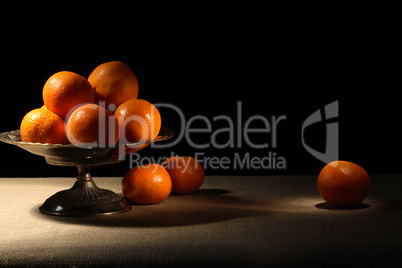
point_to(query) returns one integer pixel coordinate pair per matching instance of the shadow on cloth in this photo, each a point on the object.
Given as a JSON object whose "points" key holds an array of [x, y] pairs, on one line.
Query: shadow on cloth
{"points": [[203, 206], [327, 206]]}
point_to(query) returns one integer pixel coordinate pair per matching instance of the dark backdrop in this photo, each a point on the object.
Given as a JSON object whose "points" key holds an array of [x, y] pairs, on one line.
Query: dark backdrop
{"points": [[277, 60]]}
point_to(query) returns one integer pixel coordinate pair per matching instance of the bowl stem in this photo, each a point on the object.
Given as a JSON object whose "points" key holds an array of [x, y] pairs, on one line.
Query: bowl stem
{"points": [[84, 173]]}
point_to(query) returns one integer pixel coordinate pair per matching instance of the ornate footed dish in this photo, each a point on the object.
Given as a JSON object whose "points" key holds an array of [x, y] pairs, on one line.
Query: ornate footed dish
{"points": [[84, 198]]}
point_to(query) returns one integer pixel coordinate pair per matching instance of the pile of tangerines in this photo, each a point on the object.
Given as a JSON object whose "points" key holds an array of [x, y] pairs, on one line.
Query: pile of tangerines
{"points": [[100, 111]]}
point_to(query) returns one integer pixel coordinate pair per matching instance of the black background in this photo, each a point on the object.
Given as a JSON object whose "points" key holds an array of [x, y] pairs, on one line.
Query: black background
{"points": [[289, 59]]}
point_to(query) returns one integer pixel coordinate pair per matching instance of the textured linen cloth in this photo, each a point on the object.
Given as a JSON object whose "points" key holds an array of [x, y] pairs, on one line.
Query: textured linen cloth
{"points": [[231, 221]]}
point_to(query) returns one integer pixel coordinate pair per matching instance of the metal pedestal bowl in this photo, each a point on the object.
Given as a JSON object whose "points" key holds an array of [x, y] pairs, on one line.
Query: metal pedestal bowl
{"points": [[84, 198]]}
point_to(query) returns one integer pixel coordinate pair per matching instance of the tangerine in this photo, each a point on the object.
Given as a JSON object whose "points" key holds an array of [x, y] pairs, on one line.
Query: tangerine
{"points": [[147, 184], [114, 83], [43, 126], [343, 184], [186, 173], [65, 90], [92, 125], [138, 119]]}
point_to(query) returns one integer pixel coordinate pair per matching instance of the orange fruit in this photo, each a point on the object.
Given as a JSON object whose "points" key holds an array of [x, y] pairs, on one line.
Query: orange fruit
{"points": [[65, 90], [138, 119], [114, 83], [92, 125], [186, 172], [147, 184], [43, 126], [343, 184]]}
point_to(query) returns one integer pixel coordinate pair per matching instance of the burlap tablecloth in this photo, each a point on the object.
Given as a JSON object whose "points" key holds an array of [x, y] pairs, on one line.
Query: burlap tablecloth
{"points": [[231, 221]]}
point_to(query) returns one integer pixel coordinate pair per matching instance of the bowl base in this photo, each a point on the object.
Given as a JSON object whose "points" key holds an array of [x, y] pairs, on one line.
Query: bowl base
{"points": [[85, 199]]}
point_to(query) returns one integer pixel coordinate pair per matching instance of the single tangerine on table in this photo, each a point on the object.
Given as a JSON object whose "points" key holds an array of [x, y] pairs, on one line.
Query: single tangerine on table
{"points": [[147, 184], [43, 126], [114, 83], [343, 184], [92, 125], [65, 90], [138, 119], [186, 172]]}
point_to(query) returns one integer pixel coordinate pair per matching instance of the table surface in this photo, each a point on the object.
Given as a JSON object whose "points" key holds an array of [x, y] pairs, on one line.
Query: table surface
{"points": [[230, 221]]}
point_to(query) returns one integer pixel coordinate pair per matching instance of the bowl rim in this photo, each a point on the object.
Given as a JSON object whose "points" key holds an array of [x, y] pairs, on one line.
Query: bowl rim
{"points": [[14, 137]]}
